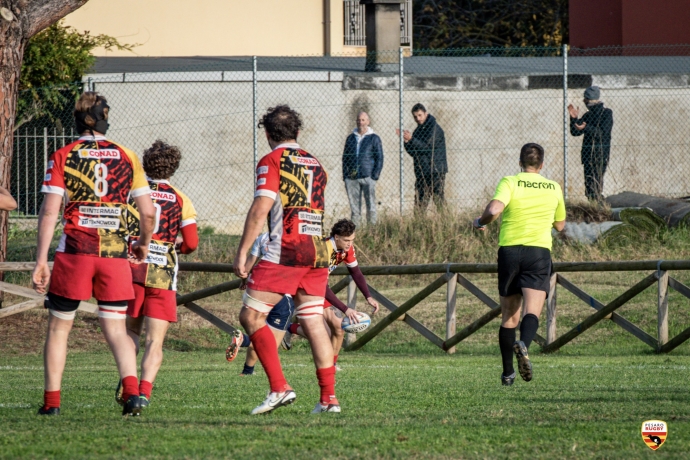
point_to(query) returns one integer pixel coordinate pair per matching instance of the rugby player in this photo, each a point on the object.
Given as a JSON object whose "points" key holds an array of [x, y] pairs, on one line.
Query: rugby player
{"points": [[96, 177], [531, 205], [155, 280], [290, 189], [277, 319], [342, 247]]}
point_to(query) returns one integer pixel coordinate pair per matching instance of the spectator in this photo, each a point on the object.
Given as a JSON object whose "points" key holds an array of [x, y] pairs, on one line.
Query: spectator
{"points": [[427, 147], [362, 164], [7, 202], [596, 125]]}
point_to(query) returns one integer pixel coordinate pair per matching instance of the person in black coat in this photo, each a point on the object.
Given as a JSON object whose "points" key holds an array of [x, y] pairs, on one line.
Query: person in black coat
{"points": [[427, 147], [596, 125], [362, 165]]}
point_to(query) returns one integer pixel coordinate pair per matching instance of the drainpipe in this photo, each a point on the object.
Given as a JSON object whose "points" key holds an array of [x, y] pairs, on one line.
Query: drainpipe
{"points": [[326, 27]]}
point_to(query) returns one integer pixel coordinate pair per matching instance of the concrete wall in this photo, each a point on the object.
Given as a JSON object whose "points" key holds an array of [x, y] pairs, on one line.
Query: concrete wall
{"points": [[212, 123], [214, 27]]}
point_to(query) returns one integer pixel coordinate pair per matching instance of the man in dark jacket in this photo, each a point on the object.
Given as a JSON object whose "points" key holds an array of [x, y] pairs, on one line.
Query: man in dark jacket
{"points": [[427, 147], [596, 125], [362, 164]]}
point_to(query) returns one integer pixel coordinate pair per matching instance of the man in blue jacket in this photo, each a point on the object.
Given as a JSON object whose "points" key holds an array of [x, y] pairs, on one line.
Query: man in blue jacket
{"points": [[362, 164]]}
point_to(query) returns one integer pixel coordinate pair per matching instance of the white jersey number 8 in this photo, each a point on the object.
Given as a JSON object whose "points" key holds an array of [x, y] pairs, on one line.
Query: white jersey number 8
{"points": [[100, 185]]}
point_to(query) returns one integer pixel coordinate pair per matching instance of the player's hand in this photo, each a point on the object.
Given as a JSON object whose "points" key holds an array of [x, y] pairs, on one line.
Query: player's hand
{"points": [[374, 304], [238, 266], [477, 225], [139, 251], [178, 242], [41, 277], [352, 315], [243, 284], [574, 112], [581, 127]]}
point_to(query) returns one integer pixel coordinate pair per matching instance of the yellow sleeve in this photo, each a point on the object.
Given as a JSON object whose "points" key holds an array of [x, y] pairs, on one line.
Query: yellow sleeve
{"points": [[188, 211], [560, 209], [140, 185], [504, 191]]}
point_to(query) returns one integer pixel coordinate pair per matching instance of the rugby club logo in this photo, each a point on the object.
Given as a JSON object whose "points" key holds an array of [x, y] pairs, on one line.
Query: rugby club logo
{"points": [[654, 433]]}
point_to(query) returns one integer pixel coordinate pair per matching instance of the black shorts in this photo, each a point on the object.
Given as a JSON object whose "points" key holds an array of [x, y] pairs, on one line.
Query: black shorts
{"points": [[523, 267]]}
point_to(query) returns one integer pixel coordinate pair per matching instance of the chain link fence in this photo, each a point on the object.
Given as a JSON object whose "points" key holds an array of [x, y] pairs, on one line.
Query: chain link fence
{"points": [[488, 102]]}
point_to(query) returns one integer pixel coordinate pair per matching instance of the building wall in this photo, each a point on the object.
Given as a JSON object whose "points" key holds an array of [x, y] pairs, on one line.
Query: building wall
{"points": [[595, 23], [213, 27], [212, 123]]}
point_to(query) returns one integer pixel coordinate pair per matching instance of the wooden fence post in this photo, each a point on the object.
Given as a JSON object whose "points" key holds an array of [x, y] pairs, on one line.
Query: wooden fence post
{"points": [[551, 310], [662, 304], [451, 301], [350, 338]]}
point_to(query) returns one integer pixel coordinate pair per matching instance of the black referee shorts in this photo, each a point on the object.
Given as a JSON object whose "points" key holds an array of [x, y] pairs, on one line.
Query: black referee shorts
{"points": [[523, 267]]}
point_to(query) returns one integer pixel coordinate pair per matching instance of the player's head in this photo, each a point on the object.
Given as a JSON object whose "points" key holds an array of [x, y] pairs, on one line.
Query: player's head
{"points": [[419, 113], [161, 160], [91, 113], [343, 232], [532, 156], [281, 123]]}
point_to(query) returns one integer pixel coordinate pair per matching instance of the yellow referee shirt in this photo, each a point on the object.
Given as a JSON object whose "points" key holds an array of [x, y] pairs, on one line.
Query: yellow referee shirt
{"points": [[533, 204]]}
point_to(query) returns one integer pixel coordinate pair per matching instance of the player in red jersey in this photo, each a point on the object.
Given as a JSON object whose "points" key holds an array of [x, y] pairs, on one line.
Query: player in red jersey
{"points": [[342, 247], [155, 280], [96, 177], [290, 188]]}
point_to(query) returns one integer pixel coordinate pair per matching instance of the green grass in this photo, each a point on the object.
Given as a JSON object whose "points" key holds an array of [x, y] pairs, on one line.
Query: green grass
{"points": [[394, 407]]}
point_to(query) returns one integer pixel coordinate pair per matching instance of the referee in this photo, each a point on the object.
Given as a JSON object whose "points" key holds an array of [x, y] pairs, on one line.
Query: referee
{"points": [[531, 205]]}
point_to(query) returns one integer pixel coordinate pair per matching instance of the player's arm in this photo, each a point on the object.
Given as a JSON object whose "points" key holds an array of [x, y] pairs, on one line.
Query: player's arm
{"points": [[7, 201], [361, 282], [256, 217], [147, 222], [491, 213], [190, 239], [337, 303], [47, 219], [560, 214]]}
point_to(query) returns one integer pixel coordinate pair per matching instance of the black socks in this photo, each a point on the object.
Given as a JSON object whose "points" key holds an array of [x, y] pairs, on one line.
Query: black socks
{"points": [[248, 370], [506, 339], [528, 328]]}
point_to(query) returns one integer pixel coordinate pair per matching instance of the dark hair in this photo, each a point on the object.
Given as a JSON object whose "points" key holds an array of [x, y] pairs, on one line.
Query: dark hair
{"points": [[417, 107], [161, 160], [281, 123], [344, 227], [531, 155]]}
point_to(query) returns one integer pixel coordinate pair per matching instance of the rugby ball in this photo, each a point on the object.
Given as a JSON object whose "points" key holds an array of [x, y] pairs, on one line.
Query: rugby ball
{"points": [[364, 322]]}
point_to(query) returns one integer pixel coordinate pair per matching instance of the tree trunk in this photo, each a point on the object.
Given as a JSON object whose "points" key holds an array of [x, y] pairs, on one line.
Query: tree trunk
{"points": [[19, 21]]}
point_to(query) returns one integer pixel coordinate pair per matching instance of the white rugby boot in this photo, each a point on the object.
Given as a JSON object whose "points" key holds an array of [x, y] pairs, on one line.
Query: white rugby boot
{"points": [[275, 400]]}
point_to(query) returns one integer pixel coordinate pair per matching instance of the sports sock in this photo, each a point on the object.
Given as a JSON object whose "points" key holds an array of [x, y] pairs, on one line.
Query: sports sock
{"points": [[248, 370], [293, 328], [335, 359], [528, 328], [326, 379], [130, 387], [506, 339], [267, 351], [51, 399], [246, 341], [145, 388]]}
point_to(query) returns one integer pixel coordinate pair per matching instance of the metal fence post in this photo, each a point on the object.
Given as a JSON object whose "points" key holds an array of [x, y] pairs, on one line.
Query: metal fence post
{"points": [[400, 115], [566, 122], [254, 116]]}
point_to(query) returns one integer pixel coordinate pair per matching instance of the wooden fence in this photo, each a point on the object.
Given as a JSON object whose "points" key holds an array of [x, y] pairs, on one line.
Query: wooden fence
{"points": [[451, 276]]}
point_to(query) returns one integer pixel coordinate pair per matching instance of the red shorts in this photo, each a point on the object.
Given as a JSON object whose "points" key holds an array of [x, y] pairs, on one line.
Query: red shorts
{"points": [[78, 277], [282, 279], [154, 303]]}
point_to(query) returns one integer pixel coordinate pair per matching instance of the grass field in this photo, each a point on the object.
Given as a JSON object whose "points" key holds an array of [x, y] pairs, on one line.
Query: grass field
{"points": [[418, 406], [402, 397]]}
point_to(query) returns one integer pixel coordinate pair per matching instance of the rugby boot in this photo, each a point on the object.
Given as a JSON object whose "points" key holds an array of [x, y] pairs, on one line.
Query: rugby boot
{"points": [[132, 407], [234, 347], [48, 410], [524, 364], [144, 401], [275, 400], [332, 408], [507, 381], [286, 343]]}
